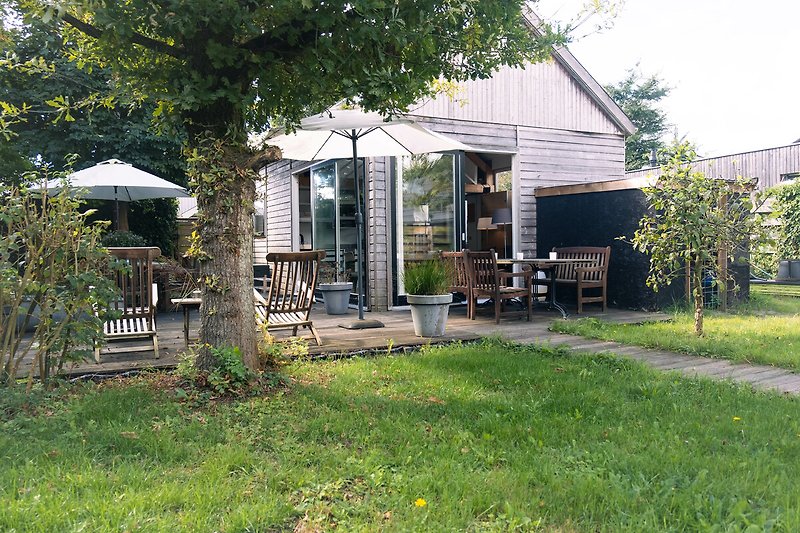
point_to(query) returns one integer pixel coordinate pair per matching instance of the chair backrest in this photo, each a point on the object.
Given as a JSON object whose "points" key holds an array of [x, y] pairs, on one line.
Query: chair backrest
{"points": [[135, 282], [294, 278], [595, 256], [458, 268], [482, 269]]}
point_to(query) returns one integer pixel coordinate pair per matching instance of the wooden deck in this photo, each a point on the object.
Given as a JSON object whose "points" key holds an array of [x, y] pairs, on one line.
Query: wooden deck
{"points": [[397, 335]]}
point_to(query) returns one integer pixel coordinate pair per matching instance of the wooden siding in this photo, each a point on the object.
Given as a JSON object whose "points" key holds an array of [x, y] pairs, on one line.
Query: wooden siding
{"points": [[278, 217], [542, 95], [767, 165], [378, 233]]}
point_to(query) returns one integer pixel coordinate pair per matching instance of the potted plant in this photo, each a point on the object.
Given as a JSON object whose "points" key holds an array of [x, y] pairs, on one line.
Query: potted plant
{"points": [[335, 288], [428, 293]]}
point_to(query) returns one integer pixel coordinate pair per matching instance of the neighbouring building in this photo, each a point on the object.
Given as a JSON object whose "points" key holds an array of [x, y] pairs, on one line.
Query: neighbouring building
{"points": [[543, 125]]}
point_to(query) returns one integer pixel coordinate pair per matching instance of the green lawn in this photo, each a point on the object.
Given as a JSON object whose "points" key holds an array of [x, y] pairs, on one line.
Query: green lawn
{"points": [[765, 331], [479, 438]]}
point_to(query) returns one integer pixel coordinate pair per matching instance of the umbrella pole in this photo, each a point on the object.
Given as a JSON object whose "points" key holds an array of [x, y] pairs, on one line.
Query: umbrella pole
{"points": [[116, 209], [360, 323]]}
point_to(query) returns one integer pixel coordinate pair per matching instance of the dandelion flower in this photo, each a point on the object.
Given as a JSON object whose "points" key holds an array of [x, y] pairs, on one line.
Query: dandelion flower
{"points": [[420, 502], [736, 418]]}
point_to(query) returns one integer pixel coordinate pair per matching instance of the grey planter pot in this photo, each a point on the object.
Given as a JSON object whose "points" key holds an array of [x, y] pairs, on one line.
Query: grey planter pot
{"points": [[336, 297], [429, 313]]}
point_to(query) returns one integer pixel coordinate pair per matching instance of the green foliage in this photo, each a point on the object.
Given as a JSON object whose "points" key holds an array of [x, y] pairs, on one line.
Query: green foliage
{"points": [[51, 270], [692, 217], [491, 438], [229, 373], [39, 71], [639, 98], [429, 277], [123, 238], [274, 353], [788, 210]]}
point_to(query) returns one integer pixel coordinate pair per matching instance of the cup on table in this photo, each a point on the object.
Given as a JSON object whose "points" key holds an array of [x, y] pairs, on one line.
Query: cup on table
{"points": [[553, 255]]}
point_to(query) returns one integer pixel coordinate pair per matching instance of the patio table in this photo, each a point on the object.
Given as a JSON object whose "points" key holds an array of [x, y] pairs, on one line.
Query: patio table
{"points": [[546, 265], [187, 304]]}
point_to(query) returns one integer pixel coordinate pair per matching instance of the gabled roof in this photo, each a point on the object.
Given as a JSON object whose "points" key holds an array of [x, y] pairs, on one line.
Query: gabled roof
{"points": [[595, 91]]}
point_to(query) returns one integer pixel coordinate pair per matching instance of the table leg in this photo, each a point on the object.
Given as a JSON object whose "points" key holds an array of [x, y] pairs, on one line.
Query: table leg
{"points": [[186, 309], [554, 303]]}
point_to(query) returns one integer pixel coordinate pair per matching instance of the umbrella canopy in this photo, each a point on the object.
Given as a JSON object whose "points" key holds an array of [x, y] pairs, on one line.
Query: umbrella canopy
{"points": [[352, 133], [117, 180], [331, 137]]}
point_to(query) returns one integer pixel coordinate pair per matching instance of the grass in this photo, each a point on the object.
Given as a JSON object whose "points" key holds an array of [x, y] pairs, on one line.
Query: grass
{"points": [[478, 438], [765, 331]]}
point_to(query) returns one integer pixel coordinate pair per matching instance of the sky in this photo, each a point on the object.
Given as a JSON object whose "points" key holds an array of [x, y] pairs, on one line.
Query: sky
{"points": [[732, 65]]}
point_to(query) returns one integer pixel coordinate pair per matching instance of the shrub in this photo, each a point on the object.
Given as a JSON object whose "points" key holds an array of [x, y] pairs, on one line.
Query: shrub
{"points": [[51, 280], [124, 239], [429, 277]]}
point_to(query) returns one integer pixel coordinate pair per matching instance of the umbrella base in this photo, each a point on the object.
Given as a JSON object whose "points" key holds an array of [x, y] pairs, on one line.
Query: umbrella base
{"points": [[363, 324]]}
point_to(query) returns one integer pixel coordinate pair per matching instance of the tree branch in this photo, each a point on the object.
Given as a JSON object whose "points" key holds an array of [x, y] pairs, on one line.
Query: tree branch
{"points": [[136, 38]]}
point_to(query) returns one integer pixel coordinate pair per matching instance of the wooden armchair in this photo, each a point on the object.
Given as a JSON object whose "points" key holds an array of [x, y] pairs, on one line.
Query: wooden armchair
{"points": [[137, 303], [458, 267], [591, 275], [291, 292], [486, 280]]}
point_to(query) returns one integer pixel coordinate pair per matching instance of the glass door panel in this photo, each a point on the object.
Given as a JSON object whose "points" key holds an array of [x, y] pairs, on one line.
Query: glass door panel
{"points": [[334, 208], [425, 208]]}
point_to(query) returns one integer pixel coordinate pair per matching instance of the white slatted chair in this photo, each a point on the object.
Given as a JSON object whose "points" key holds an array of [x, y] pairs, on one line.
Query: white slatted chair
{"points": [[138, 300]]}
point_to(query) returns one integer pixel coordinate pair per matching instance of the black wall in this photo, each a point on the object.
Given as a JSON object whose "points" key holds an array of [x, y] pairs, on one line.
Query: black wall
{"points": [[597, 219]]}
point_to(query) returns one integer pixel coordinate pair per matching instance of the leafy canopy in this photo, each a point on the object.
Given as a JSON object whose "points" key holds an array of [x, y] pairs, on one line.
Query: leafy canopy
{"points": [[255, 61]]}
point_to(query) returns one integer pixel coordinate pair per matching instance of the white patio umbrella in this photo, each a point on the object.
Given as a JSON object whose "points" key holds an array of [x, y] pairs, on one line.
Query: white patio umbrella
{"points": [[340, 134], [119, 181]]}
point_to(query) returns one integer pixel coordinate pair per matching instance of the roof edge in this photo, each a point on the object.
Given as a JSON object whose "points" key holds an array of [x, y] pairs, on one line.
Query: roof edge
{"points": [[583, 77]]}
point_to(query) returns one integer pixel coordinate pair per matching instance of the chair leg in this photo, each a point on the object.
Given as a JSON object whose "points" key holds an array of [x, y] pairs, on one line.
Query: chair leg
{"points": [[530, 303], [316, 334], [97, 354], [497, 306], [474, 305], [155, 345], [580, 300], [605, 300]]}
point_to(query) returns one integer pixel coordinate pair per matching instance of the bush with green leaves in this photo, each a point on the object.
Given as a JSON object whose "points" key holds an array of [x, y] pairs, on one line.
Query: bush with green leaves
{"points": [[124, 239], [429, 277], [788, 210], [692, 218], [52, 280]]}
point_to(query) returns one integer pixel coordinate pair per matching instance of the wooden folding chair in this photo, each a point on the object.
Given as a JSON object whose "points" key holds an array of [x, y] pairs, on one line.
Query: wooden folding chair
{"points": [[458, 267], [291, 292], [486, 280], [137, 303]]}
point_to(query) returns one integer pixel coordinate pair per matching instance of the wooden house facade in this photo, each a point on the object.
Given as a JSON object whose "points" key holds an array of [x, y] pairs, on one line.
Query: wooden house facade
{"points": [[771, 166], [546, 124]]}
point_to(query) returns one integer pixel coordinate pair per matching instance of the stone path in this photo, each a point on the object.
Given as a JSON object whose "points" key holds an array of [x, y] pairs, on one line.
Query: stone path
{"points": [[761, 377]]}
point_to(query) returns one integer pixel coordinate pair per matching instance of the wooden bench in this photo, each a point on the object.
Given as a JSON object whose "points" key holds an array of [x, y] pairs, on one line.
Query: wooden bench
{"points": [[591, 275]]}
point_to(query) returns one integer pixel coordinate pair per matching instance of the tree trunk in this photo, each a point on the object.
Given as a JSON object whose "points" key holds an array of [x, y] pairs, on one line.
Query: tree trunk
{"points": [[697, 296], [225, 196]]}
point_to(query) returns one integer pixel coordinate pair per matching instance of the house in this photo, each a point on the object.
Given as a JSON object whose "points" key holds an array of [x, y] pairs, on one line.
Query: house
{"points": [[542, 125], [771, 166]]}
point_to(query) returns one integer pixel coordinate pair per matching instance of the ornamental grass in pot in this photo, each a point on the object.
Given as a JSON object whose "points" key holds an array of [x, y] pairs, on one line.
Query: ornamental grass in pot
{"points": [[428, 293]]}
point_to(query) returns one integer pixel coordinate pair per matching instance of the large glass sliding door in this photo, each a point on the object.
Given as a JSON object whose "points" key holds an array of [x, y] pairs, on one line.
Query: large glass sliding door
{"points": [[333, 200], [426, 207]]}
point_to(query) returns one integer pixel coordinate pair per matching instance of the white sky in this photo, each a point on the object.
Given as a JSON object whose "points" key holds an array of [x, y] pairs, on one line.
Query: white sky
{"points": [[733, 64]]}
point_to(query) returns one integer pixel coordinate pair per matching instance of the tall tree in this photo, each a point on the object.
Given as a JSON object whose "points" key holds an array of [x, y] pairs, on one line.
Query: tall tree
{"points": [[222, 68], [639, 97]]}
